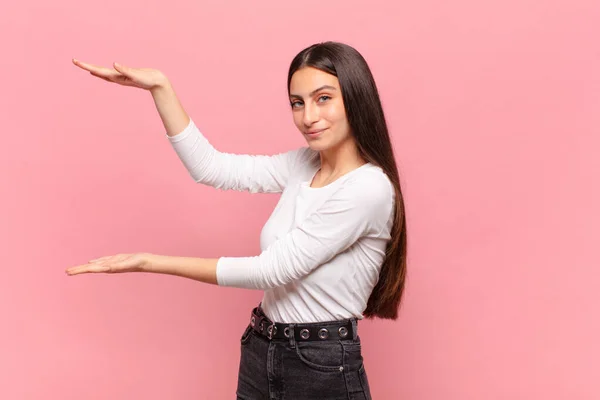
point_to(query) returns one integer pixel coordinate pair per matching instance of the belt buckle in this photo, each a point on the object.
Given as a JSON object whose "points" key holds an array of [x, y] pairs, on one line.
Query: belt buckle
{"points": [[270, 330]]}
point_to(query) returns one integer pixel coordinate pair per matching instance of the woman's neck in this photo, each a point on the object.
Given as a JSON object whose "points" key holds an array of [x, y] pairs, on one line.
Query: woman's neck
{"points": [[340, 160]]}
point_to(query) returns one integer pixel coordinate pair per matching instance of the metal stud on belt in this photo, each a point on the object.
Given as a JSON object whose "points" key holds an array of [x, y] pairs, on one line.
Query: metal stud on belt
{"points": [[323, 333], [343, 331], [304, 334]]}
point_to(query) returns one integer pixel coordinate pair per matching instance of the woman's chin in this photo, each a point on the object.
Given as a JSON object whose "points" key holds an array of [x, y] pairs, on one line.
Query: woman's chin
{"points": [[316, 145]]}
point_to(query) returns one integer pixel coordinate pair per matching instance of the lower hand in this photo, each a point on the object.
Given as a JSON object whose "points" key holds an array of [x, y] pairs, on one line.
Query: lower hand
{"points": [[136, 262]]}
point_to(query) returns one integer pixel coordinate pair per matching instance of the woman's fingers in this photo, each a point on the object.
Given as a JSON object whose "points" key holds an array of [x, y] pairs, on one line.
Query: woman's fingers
{"points": [[100, 76], [125, 72], [88, 268], [108, 74], [120, 79], [111, 264], [102, 264], [94, 69], [144, 78]]}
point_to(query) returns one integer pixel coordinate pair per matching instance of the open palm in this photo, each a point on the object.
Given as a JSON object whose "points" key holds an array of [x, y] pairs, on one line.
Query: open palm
{"points": [[143, 78], [113, 264]]}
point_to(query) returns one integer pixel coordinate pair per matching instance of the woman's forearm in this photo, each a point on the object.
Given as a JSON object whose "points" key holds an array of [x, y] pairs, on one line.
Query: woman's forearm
{"points": [[171, 112], [200, 269]]}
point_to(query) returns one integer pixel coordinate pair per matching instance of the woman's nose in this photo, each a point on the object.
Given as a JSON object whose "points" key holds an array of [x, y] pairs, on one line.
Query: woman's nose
{"points": [[311, 114]]}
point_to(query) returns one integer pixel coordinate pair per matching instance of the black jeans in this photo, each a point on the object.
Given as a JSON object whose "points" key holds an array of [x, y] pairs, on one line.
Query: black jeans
{"points": [[286, 369]]}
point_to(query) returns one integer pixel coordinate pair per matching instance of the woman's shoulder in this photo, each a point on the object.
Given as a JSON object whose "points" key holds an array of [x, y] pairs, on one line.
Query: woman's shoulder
{"points": [[372, 194], [372, 179], [367, 188]]}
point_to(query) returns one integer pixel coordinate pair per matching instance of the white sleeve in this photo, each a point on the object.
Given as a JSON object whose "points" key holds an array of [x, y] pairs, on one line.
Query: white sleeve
{"points": [[241, 172], [357, 208]]}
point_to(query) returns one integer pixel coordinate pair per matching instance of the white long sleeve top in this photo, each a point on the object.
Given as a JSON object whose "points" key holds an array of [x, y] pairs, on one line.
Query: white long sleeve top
{"points": [[321, 248]]}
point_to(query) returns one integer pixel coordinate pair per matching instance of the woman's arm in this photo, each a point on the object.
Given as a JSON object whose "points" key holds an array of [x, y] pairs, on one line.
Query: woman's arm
{"points": [[261, 173], [171, 112], [227, 171], [360, 207], [199, 269], [206, 165]]}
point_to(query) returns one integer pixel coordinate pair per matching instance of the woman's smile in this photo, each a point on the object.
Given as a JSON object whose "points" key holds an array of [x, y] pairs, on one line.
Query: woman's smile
{"points": [[314, 133]]}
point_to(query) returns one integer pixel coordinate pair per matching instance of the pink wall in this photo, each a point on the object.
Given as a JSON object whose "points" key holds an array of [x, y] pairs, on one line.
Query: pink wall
{"points": [[494, 111]]}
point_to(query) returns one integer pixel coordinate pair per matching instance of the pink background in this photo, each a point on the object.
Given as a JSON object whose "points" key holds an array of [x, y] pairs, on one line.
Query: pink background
{"points": [[494, 111]]}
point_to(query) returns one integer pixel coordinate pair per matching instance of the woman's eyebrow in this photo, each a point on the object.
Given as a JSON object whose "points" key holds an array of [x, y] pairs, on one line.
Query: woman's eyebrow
{"points": [[315, 91]]}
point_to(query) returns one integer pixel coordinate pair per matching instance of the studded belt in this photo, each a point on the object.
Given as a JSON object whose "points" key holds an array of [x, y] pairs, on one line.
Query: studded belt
{"points": [[302, 332]]}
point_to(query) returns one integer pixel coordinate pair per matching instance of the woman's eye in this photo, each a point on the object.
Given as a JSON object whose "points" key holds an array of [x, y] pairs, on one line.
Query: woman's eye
{"points": [[296, 104], [324, 97]]}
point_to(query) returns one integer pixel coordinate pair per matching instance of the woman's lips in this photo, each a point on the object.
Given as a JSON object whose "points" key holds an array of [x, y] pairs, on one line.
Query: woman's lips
{"points": [[314, 134]]}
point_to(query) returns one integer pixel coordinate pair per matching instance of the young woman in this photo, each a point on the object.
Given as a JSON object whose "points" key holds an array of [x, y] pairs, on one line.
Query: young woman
{"points": [[334, 248]]}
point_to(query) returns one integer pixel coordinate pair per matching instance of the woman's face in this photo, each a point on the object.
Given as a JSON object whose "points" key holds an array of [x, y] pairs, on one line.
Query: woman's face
{"points": [[318, 108]]}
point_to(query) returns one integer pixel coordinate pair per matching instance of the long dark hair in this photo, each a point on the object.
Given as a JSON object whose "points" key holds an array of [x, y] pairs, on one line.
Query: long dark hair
{"points": [[367, 124]]}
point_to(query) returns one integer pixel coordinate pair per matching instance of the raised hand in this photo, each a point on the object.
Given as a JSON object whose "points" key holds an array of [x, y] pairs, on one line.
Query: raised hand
{"points": [[136, 262], [143, 78]]}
